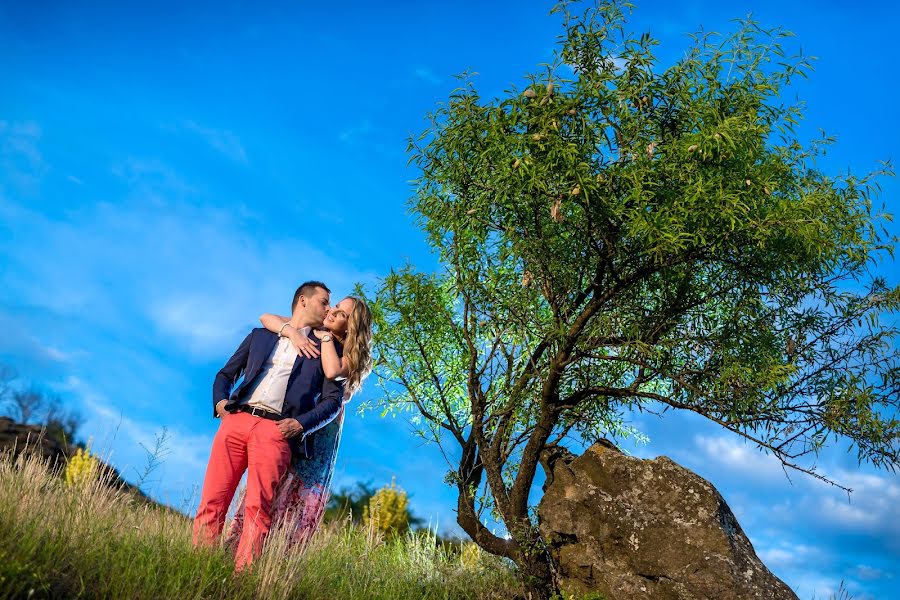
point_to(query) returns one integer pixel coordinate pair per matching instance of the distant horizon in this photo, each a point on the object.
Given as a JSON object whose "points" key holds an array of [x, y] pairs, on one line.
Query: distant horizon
{"points": [[169, 172]]}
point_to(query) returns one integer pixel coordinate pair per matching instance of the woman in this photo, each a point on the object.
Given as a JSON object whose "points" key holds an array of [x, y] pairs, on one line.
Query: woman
{"points": [[300, 500]]}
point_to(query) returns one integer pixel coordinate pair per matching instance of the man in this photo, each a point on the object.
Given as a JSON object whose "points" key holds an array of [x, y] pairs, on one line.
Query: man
{"points": [[283, 399]]}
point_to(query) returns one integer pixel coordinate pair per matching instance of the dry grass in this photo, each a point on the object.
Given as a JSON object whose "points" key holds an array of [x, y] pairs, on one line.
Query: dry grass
{"points": [[91, 541]]}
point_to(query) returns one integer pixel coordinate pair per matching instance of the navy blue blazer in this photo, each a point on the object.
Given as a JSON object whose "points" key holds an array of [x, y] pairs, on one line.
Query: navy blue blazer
{"points": [[310, 398]]}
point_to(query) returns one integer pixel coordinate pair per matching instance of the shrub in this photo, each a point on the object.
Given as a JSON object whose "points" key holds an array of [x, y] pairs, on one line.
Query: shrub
{"points": [[82, 467], [388, 511], [471, 556]]}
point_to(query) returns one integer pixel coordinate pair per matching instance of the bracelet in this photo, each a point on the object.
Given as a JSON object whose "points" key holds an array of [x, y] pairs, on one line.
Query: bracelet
{"points": [[283, 325]]}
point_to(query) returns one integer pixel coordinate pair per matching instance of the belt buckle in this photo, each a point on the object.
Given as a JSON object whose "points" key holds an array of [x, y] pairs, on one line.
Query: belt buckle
{"points": [[257, 412]]}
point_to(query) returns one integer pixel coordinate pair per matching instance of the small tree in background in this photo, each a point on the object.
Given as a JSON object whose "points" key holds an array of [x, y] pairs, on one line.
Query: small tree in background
{"points": [[388, 511], [82, 467], [621, 236], [349, 501], [35, 406]]}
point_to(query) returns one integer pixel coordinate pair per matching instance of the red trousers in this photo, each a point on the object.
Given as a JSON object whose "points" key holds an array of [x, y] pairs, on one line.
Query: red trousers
{"points": [[243, 443]]}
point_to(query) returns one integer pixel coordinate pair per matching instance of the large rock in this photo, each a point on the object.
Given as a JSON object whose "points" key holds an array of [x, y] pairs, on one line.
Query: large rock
{"points": [[630, 528]]}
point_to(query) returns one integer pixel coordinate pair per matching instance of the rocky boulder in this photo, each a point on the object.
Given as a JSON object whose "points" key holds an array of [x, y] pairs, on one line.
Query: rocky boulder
{"points": [[630, 528]]}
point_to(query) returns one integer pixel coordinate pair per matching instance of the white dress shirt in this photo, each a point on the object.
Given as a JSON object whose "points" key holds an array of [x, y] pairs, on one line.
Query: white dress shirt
{"points": [[271, 383]]}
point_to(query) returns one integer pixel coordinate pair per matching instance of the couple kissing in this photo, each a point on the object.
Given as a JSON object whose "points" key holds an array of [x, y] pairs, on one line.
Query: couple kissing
{"points": [[282, 423]]}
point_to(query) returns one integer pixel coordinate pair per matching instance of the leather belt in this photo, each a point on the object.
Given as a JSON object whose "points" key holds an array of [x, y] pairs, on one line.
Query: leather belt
{"points": [[260, 412]]}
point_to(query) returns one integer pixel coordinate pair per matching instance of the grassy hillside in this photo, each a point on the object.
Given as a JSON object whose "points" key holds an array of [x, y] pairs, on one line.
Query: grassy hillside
{"points": [[89, 541]]}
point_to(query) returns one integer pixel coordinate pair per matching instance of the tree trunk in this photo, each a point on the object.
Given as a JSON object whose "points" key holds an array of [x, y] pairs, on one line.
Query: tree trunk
{"points": [[536, 574]]}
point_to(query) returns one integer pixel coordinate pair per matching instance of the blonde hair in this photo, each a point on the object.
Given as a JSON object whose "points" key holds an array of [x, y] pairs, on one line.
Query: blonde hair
{"points": [[358, 345]]}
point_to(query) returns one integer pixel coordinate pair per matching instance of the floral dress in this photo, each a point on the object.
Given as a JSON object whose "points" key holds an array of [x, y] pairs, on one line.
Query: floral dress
{"points": [[300, 499]]}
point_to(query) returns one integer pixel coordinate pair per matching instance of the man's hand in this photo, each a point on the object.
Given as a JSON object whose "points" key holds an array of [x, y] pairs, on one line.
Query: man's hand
{"points": [[220, 408], [289, 427]]}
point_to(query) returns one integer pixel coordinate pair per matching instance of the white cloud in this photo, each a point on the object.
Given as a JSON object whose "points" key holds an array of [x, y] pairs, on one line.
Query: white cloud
{"points": [[56, 354], [872, 508], [618, 63], [353, 134], [785, 554], [816, 585], [427, 75], [197, 274], [774, 557], [194, 320], [740, 457], [152, 179], [846, 514], [867, 573], [21, 161], [220, 140], [883, 485], [231, 280]]}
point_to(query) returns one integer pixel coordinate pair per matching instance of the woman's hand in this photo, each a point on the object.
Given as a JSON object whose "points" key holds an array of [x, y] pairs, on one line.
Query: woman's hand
{"points": [[320, 333], [303, 344]]}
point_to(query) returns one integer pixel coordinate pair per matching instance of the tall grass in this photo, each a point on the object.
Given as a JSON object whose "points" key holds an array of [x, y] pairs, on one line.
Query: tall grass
{"points": [[92, 541]]}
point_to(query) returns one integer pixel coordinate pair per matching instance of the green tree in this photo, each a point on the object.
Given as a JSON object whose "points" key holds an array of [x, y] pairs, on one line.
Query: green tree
{"points": [[621, 236], [349, 501]]}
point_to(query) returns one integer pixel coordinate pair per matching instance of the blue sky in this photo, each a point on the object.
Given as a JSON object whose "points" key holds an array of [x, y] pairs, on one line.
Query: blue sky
{"points": [[170, 172]]}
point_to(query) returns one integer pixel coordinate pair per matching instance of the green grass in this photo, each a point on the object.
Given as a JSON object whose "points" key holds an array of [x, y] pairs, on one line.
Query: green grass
{"points": [[90, 541]]}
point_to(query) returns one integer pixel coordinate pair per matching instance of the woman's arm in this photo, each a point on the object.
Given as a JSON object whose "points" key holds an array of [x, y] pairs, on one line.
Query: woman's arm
{"points": [[278, 324], [273, 322], [333, 365]]}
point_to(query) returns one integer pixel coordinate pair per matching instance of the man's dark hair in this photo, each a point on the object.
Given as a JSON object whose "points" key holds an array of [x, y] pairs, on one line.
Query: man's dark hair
{"points": [[307, 289]]}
